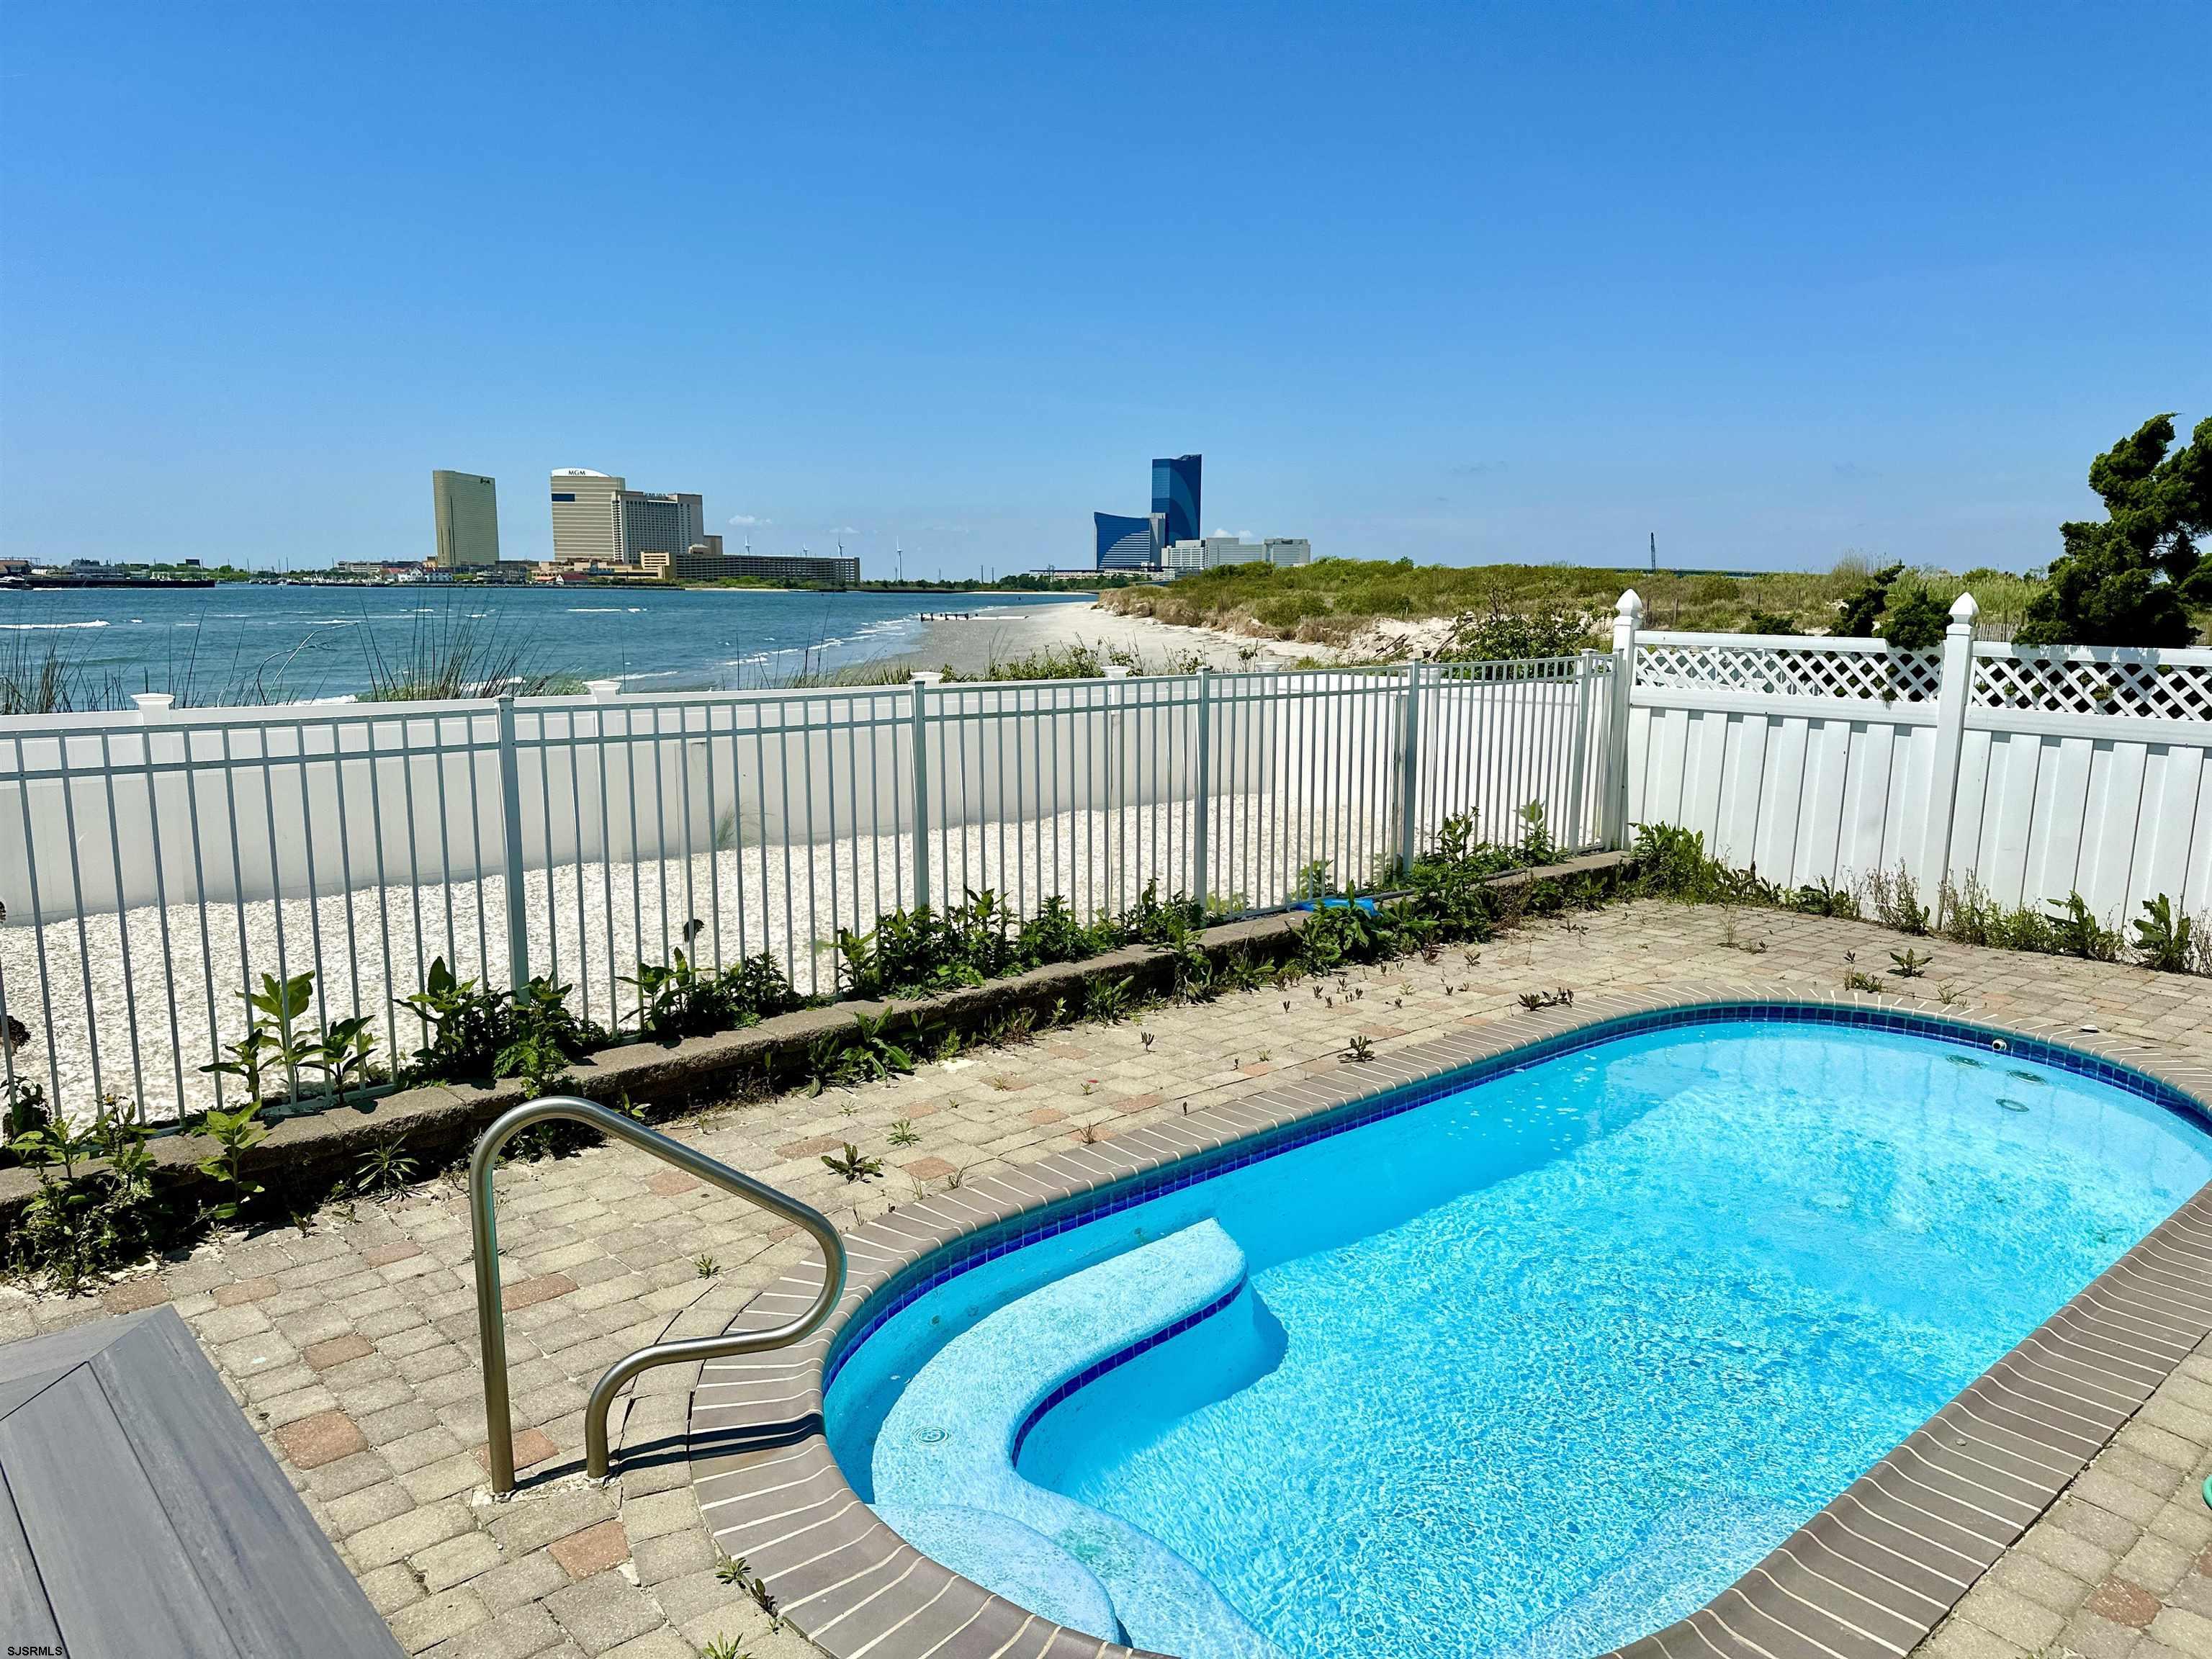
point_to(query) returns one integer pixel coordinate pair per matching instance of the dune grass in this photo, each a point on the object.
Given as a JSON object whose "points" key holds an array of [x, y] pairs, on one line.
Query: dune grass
{"points": [[1075, 661], [1331, 601], [455, 655]]}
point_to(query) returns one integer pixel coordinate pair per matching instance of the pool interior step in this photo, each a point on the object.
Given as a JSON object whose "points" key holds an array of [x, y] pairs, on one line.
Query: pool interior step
{"points": [[1650, 1584], [943, 1467]]}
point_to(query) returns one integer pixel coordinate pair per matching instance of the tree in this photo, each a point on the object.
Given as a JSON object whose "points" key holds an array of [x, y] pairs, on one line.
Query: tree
{"points": [[1860, 609], [2131, 579], [1914, 619]]}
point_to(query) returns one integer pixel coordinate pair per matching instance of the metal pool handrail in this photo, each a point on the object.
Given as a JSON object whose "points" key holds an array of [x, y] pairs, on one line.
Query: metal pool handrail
{"points": [[491, 1328]]}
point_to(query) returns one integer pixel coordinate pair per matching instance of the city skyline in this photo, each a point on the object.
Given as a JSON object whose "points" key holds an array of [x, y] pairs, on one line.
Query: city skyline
{"points": [[1529, 284]]}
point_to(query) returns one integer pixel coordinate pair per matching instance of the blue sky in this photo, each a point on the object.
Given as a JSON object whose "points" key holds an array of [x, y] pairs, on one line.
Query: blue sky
{"points": [[1455, 282]]}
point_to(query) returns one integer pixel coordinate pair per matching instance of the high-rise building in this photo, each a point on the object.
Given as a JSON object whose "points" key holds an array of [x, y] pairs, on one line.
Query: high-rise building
{"points": [[587, 517], [1127, 544], [1176, 494], [466, 506], [659, 524]]}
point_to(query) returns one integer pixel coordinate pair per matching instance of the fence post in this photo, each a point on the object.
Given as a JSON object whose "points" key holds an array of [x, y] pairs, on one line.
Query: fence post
{"points": [[1578, 773], [921, 684], [1201, 837], [1955, 693], [1628, 616], [1117, 753], [510, 812], [1409, 770]]}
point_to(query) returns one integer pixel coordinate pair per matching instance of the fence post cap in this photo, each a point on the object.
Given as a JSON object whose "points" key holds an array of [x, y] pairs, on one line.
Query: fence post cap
{"points": [[1117, 670], [928, 676], [154, 702], [1964, 610], [1631, 605], [602, 689]]}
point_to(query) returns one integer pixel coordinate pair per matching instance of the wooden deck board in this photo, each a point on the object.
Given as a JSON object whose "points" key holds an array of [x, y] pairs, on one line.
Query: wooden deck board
{"points": [[146, 1516]]}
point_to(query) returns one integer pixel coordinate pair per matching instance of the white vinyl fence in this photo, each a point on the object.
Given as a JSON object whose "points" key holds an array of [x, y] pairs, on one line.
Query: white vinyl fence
{"points": [[2039, 771], [154, 865]]}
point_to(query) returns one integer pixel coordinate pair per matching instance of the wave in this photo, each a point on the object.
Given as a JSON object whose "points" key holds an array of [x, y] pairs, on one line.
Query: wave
{"points": [[35, 627], [595, 610]]}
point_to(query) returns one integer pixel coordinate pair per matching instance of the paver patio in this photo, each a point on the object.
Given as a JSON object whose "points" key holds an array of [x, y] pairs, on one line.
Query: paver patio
{"points": [[352, 1344]]}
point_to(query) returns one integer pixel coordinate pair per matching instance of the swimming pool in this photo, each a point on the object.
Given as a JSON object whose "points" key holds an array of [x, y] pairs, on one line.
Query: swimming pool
{"points": [[1537, 1366]]}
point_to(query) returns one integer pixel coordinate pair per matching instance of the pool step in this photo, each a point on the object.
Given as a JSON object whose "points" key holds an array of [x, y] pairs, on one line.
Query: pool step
{"points": [[944, 1462]]}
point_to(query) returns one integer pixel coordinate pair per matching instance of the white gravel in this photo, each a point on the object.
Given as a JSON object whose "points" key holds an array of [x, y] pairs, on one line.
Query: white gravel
{"points": [[166, 999]]}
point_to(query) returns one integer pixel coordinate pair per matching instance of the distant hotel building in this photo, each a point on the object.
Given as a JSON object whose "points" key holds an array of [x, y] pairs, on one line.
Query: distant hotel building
{"points": [[659, 524], [707, 562], [587, 527], [1212, 552], [602, 527], [1176, 497], [1127, 544], [598, 519], [465, 507]]}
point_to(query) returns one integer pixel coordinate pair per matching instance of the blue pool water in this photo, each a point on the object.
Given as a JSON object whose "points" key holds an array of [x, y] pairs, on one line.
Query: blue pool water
{"points": [[1543, 1364]]}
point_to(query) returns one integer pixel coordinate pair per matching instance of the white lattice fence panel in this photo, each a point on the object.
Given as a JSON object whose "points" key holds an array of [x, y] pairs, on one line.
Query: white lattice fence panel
{"points": [[2139, 684], [1812, 670]]}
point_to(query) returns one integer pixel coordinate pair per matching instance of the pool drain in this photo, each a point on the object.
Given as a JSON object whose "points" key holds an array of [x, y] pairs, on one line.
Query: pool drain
{"points": [[932, 1437]]}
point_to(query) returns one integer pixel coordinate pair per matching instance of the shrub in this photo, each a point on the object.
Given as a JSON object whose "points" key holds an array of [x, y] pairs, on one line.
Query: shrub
{"points": [[1915, 619], [543, 1039], [1671, 863], [83, 1222], [915, 952], [1498, 634], [474, 1034], [465, 1027], [1972, 916], [2162, 942], [1896, 899], [2076, 932], [1450, 885], [1861, 608]]}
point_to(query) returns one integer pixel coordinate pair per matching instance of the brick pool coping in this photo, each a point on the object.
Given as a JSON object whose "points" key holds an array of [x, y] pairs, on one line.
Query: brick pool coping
{"points": [[1870, 1575]]}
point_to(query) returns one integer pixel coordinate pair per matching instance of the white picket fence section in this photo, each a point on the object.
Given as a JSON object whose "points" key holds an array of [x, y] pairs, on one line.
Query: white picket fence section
{"points": [[155, 864], [2040, 771]]}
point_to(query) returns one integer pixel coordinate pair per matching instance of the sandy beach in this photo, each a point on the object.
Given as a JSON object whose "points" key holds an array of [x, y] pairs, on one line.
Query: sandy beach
{"points": [[1004, 634], [969, 647]]}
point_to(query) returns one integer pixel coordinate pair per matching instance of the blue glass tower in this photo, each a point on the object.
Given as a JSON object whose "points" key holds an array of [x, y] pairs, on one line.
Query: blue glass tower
{"points": [[1125, 544], [1175, 493]]}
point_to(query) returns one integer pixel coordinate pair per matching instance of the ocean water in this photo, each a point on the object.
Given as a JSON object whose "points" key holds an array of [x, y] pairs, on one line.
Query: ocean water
{"points": [[319, 641], [1540, 1366]]}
